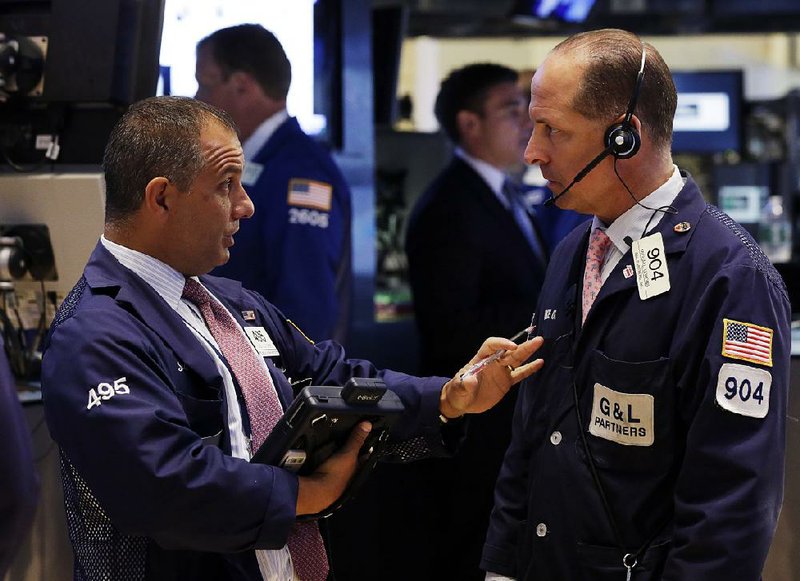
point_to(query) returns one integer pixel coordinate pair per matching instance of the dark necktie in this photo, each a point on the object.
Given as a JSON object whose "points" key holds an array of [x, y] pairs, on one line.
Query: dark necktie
{"points": [[264, 410], [516, 206]]}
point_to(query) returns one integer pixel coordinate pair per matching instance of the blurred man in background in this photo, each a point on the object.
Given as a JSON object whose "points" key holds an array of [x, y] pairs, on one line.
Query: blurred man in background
{"points": [[296, 251], [477, 261]]}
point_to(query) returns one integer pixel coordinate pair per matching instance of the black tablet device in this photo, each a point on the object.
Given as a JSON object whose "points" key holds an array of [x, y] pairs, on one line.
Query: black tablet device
{"points": [[318, 423]]}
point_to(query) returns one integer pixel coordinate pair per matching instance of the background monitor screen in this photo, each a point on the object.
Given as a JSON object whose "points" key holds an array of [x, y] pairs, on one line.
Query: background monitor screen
{"points": [[751, 7], [95, 50], [92, 58], [708, 118], [566, 10]]}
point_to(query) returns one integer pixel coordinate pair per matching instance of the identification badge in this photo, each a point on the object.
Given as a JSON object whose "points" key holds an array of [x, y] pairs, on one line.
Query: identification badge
{"points": [[252, 171], [624, 418], [261, 341], [744, 390], [650, 262]]}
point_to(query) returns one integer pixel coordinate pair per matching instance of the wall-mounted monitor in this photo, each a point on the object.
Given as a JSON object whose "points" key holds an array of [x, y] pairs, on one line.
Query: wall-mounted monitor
{"points": [[94, 57], [709, 115], [562, 10], [751, 7]]}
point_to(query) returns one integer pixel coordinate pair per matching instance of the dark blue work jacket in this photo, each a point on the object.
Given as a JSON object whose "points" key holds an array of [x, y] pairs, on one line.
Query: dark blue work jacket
{"points": [[693, 483], [178, 507], [19, 481], [296, 253]]}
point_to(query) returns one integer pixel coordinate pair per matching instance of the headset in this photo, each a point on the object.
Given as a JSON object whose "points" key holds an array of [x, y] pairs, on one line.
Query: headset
{"points": [[621, 139]]}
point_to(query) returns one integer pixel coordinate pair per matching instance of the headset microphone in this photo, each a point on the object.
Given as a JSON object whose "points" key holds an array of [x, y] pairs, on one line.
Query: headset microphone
{"points": [[581, 174]]}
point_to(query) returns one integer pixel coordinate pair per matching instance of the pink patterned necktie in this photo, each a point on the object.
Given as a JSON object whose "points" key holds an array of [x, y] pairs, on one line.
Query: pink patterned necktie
{"points": [[264, 410], [595, 254]]}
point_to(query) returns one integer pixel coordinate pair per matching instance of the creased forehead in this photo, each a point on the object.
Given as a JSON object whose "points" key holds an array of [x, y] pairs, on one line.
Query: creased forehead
{"points": [[220, 145]]}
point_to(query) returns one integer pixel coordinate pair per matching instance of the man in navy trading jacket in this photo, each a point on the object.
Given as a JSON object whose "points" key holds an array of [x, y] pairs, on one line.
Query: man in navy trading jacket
{"points": [[155, 381], [296, 251], [651, 446]]}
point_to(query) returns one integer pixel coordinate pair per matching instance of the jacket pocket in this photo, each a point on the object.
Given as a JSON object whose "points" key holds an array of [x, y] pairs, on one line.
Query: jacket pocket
{"points": [[205, 416], [628, 416]]}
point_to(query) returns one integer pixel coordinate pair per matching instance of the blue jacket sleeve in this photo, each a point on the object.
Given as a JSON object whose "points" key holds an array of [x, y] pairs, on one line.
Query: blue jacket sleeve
{"points": [[19, 483], [135, 446], [730, 485], [325, 363]]}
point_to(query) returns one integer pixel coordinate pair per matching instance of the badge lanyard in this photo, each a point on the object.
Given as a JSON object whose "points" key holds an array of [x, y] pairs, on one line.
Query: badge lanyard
{"points": [[629, 559], [648, 250]]}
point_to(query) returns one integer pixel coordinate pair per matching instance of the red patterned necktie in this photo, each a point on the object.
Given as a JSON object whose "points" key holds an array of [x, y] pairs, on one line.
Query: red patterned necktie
{"points": [[598, 245], [264, 410]]}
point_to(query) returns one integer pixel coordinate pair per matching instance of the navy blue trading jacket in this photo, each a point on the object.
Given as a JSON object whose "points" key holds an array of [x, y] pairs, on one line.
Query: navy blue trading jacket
{"points": [[147, 497], [294, 253], [688, 442]]}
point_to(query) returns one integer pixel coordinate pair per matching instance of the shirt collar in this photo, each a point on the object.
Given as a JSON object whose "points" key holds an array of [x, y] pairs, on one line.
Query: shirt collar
{"points": [[164, 279], [263, 132], [632, 223], [491, 175]]}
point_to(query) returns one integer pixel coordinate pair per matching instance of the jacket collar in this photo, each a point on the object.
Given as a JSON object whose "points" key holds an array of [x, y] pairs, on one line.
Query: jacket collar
{"points": [[105, 275], [285, 131], [690, 205]]}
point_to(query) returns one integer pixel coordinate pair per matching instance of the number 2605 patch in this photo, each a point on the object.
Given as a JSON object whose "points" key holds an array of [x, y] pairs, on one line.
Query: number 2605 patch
{"points": [[105, 391]]}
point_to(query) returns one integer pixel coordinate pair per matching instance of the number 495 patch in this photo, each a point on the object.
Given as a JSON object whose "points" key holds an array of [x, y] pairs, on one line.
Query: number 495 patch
{"points": [[744, 390], [105, 391]]}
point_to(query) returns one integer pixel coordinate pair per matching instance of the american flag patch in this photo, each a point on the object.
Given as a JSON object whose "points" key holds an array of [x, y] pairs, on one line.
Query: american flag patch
{"points": [[310, 194], [747, 342]]}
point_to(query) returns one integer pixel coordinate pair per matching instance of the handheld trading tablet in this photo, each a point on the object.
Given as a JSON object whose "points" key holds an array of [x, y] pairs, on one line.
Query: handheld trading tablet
{"points": [[318, 423]]}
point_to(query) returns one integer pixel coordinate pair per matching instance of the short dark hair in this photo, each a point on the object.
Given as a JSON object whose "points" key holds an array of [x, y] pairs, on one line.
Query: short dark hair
{"points": [[466, 89], [156, 137], [253, 49], [613, 58]]}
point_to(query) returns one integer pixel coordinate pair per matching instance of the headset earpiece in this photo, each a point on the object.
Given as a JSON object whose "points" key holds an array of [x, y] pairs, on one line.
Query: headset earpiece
{"points": [[622, 140]]}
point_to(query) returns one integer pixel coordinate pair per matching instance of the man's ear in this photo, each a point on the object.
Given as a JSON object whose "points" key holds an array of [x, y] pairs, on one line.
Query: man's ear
{"points": [[158, 195], [468, 123], [242, 82]]}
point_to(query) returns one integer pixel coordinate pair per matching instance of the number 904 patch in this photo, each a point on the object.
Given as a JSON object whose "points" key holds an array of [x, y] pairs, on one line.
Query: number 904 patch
{"points": [[744, 390]]}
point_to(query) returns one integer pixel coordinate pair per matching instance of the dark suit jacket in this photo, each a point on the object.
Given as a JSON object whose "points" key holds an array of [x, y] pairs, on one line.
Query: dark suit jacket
{"points": [[472, 272], [473, 275]]}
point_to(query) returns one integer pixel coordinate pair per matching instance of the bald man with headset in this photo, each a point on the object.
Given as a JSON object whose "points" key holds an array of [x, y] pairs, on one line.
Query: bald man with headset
{"points": [[651, 445]]}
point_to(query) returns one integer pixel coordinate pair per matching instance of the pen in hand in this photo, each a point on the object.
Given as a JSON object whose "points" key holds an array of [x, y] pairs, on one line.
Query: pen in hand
{"points": [[479, 365]]}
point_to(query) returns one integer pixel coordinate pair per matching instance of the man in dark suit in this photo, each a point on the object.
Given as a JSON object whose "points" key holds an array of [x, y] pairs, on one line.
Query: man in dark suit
{"points": [[476, 263]]}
